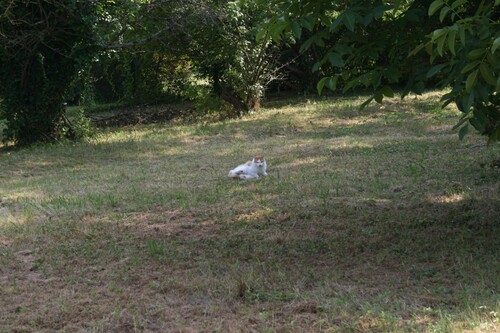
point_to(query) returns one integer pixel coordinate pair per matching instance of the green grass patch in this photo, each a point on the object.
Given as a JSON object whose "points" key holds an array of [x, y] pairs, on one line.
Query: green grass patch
{"points": [[374, 220]]}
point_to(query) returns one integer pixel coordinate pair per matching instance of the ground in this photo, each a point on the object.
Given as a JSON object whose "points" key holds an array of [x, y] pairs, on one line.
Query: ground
{"points": [[374, 220]]}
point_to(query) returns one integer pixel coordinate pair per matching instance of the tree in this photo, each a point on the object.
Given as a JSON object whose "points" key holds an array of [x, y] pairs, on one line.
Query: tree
{"points": [[143, 57], [226, 51], [467, 46], [216, 39], [377, 44], [46, 44], [43, 44], [52, 49]]}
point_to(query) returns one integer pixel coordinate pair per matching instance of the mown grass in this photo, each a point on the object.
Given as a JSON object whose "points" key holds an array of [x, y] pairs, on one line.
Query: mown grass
{"points": [[378, 220]]}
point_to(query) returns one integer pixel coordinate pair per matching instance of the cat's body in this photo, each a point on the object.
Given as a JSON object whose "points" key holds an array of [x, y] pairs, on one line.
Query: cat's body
{"points": [[251, 169]]}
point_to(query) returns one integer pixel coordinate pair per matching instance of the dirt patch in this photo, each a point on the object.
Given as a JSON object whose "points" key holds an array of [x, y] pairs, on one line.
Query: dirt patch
{"points": [[165, 223], [112, 298], [143, 114]]}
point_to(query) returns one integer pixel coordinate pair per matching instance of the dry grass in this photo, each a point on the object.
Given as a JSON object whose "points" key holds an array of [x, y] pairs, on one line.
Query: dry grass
{"points": [[378, 220]]}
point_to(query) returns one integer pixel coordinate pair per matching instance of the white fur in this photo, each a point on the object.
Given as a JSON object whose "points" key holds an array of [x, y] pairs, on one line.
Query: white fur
{"points": [[250, 170]]}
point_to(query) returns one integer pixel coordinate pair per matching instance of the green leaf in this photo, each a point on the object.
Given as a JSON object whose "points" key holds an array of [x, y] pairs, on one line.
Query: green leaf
{"points": [[349, 20], [428, 48], [479, 10], [470, 66], [496, 44], [379, 11], [458, 3], [474, 54], [332, 83], [392, 73], [466, 103], [461, 32], [336, 60], [308, 22], [492, 59], [262, 32], [471, 81], [497, 2], [276, 30], [436, 34], [324, 19], [342, 49], [433, 57], [451, 41], [387, 91], [479, 121], [316, 66], [321, 84], [434, 70], [349, 85], [378, 97], [416, 50], [296, 29], [486, 74], [373, 78], [446, 103], [447, 98], [434, 7], [335, 24], [440, 43], [307, 44], [365, 103], [463, 119], [463, 132], [443, 13], [495, 136]]}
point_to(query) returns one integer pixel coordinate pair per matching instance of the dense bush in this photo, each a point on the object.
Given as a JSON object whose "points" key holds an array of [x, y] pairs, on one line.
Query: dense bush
{"points": [[43, 44]]}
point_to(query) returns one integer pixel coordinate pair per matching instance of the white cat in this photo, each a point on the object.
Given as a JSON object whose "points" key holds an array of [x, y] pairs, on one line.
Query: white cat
{"points": [[251, 169]]}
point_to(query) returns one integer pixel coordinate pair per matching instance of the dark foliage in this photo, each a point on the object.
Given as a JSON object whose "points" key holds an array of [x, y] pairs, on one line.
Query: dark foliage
{"points": [[43, 44]]}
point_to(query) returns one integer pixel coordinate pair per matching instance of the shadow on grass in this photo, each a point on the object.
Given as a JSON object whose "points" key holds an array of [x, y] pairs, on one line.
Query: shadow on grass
{"points": [[356, 262]]}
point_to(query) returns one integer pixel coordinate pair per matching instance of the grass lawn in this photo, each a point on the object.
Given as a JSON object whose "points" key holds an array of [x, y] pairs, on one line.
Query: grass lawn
{"points": [[378, 220]]}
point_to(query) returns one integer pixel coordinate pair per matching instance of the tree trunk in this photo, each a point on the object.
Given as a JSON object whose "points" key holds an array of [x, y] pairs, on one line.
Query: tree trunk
{"points": [[227, 94], [230, 96], [253, 102]]}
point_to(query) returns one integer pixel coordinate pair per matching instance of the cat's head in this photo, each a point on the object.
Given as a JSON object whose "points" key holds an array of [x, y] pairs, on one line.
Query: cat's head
{"points": [[259, 160]]}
